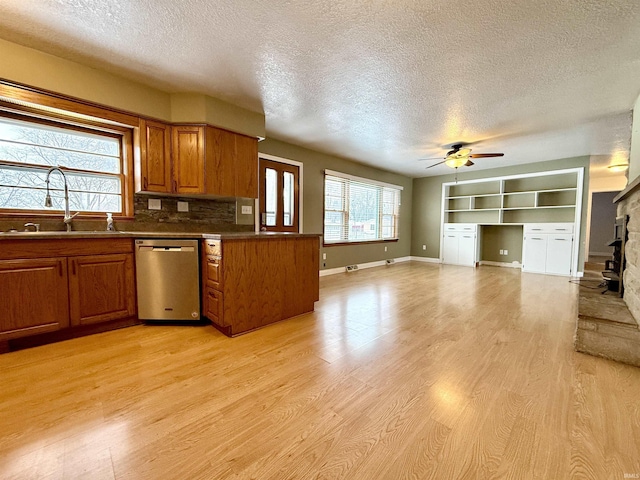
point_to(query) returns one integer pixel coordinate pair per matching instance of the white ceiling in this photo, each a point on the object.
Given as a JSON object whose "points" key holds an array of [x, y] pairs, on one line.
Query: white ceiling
{"points": [[380, 82]]}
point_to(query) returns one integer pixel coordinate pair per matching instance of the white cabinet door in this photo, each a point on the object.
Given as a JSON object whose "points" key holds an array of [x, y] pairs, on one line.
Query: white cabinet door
{"points": [[534, 256], [558, 260], [450, 248], [467, 249]]}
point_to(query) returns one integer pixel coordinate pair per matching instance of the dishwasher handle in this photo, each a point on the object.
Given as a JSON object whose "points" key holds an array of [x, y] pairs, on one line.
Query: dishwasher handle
{"points": [[172, 249]]}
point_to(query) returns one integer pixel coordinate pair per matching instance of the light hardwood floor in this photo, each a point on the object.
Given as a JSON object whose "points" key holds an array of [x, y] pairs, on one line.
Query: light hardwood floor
{"points": [[411, 371]]}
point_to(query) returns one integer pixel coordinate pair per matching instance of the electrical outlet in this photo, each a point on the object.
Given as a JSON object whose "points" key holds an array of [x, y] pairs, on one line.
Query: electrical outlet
{"points": [[324, 256], [183, 206], [424, 247], [501, 252], [247, 210], [155, 204], [506, 252], [385, 249]]}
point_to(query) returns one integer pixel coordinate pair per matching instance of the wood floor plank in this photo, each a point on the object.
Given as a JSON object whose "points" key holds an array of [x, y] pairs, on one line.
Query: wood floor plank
{"points": [[411, 371]]}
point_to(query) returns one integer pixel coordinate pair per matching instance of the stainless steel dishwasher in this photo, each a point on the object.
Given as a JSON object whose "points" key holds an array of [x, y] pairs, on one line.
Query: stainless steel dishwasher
{"points": [[168, 279]]}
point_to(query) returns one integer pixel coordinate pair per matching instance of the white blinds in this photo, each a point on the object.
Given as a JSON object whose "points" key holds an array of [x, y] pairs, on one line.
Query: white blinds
{"points": [[358, 211]]}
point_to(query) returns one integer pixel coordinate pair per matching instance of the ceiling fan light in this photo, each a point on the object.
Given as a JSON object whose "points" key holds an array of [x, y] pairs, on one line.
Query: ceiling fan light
{"points": [[618, 167], [456, 162]]}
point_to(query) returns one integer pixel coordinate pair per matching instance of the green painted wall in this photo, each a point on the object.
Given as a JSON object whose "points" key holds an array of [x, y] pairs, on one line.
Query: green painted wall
{"points": [[503, 237], [427, 198], [314, 164], [41, 70]]}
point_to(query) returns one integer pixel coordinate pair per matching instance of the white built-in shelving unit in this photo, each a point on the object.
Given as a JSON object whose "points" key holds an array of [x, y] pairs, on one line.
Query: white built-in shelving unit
{"points": [[540, 197]]}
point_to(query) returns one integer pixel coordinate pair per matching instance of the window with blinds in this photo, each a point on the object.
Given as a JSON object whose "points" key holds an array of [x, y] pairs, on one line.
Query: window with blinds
{"points": [[359, 210], [92, 162]]}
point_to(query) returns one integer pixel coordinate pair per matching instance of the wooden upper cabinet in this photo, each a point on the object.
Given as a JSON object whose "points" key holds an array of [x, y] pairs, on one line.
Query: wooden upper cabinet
{"points": [[221, 167], [196, 159], [188, 159], [155, 157], [101, 288], [34, 296], [246, 166]]}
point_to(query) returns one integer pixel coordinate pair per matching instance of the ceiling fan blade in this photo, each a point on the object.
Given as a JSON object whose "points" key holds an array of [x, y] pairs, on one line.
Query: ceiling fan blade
{"points": [[486, 155], [469, 163], [431, 159], [439, 163]]}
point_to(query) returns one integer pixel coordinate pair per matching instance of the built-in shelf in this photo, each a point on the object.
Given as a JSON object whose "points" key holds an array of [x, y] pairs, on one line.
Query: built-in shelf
{"points": [[537, 197]]}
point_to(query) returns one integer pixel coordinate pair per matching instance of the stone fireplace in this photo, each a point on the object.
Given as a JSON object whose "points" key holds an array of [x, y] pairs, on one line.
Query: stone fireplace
{"points": [[607, 324], [629, 204]]}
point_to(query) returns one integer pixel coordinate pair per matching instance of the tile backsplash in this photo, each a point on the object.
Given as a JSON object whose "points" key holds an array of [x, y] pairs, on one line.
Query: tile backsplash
{"points": [[203, 215]]}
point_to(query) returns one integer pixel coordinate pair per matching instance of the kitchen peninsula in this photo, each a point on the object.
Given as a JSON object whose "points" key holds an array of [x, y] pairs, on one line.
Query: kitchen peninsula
{"points": [[57, 285]]}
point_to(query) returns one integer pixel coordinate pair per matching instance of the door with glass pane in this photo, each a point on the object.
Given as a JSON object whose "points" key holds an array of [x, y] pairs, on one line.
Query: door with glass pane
{"points": [[279, 193]]}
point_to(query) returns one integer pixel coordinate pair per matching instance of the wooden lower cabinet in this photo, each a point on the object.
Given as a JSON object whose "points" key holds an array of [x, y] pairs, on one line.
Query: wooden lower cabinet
{"points": [[34, 296], [260, 281], [101, 288], [48, 286]]}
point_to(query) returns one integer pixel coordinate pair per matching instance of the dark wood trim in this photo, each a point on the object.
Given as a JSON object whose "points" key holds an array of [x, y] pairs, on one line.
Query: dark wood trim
{"points": [[67, 334], [280, 168], [31, 97]]}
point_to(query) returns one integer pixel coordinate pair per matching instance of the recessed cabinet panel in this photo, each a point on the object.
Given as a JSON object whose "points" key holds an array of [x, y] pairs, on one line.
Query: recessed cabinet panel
{"points": [[534, 256], [101, 288], [155, 153], [188, 159], [559, 248], [34, 296], [246, 167], [450, 251]]}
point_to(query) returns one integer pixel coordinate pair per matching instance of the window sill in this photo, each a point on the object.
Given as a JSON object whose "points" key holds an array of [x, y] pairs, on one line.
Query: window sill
{"points": [[361, 242]]}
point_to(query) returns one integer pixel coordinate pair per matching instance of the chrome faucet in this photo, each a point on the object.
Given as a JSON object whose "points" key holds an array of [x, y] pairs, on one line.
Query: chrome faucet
{"points": [[47, 201]]}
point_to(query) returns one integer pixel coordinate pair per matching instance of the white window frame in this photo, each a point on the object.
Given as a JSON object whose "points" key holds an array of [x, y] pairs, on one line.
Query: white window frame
{"points": [[381, 186]]}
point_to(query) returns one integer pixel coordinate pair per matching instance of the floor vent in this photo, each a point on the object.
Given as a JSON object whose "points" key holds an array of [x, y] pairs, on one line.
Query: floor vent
{"points": [[351, 268], [390, 261]]}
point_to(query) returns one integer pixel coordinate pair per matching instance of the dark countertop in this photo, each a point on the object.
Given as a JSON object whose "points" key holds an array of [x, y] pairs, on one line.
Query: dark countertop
{"points": [[126, 234]]}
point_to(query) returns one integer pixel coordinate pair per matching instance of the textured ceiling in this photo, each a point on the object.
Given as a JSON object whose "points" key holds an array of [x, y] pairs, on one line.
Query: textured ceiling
{"points": [[380, 82]]}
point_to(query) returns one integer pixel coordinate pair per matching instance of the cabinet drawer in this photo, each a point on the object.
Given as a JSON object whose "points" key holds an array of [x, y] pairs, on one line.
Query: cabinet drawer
{"points": [[213, 247], [548, 228], [213, 271], [213, 306], [460, 227]]}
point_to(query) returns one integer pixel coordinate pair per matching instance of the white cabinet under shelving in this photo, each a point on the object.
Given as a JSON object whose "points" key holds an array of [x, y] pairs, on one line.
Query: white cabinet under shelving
{"points": [[459, 244], [546, 202], [547, 248]]}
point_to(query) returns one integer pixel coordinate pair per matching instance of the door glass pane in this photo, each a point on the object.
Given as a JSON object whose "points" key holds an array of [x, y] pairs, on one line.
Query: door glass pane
{"points": [[287, 200], [271, 196]]}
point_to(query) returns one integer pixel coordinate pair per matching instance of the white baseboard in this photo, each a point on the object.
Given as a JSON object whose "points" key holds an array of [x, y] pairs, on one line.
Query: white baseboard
{"points": [[379, 263], [501, 264], [425, 259], [331, 271]]}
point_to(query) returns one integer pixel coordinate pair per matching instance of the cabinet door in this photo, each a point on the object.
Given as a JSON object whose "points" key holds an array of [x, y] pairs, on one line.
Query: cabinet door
{"points": [[155, 157], [450, 248], [534, 255], [34, 296], [246, 168], [467, 249], [187, 152], [101, 288], [213, 307], [221, 162], [559, 249]]}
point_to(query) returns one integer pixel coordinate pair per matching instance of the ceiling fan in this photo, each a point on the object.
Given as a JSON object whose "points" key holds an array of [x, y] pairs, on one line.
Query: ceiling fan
{"points": [[460, 156]]}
